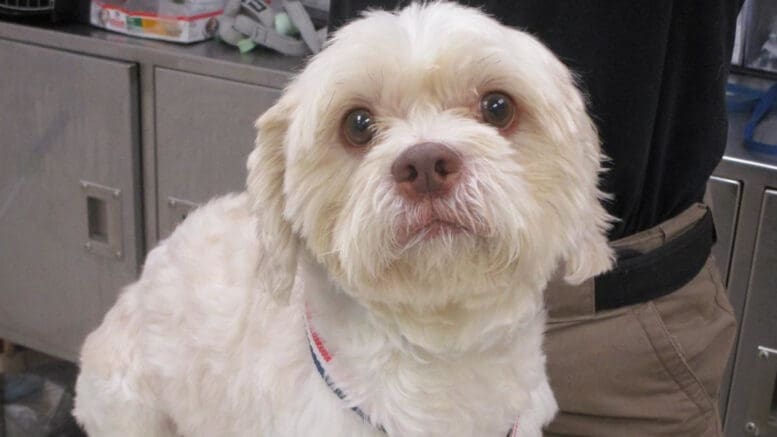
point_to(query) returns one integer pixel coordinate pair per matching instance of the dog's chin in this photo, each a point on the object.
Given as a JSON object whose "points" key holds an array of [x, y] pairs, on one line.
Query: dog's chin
{"points": [[438, 294], [442, 263], [427, 254]]}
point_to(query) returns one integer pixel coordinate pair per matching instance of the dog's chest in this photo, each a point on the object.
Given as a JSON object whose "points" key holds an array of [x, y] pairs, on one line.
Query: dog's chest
{"points": [[483, 397], [408, 395], [274, 388]]}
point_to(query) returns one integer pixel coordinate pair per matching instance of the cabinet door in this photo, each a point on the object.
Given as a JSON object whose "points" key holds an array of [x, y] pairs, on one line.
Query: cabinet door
{"points": [[69, 235], [725, 194], [205, 131], [753, 399]]}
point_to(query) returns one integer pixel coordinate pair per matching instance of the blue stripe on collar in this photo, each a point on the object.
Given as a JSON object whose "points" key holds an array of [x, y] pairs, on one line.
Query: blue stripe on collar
{"points": [[339, 392]]}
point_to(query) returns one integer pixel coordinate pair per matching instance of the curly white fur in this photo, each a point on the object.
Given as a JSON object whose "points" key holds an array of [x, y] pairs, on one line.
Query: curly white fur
{"points": [[432, 336]]}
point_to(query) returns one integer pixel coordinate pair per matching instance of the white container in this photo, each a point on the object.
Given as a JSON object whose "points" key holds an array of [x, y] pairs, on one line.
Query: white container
{"points": [[179, 21]]}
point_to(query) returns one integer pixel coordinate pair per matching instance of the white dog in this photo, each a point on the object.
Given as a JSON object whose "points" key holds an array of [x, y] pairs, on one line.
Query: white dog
{"points": [[409, 197]]}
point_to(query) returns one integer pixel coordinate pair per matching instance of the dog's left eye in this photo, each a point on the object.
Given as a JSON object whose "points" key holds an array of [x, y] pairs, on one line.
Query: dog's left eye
{"points": [[358, 127], [497, 109]]}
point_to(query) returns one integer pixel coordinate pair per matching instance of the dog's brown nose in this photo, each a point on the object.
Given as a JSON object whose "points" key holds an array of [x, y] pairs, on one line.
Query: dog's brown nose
{"points": [[426, 169]]}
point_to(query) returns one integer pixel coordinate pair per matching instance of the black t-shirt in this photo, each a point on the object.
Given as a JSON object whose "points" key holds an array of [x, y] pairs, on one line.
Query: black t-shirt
{"points": [[655, 74]]}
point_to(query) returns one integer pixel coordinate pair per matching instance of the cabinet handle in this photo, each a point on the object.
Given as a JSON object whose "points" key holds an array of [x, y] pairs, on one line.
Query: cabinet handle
{"points": [[103, 220], [761, 413]]}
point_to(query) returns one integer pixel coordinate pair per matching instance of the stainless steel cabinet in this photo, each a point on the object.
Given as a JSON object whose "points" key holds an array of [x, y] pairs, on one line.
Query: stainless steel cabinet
{"points": [[101, 152], [70, 234], [751, 277], [204, 132], [753, 408]]}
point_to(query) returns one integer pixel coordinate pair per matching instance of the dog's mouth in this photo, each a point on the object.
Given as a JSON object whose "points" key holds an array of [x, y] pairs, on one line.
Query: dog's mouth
{"points": [[432, 220]]}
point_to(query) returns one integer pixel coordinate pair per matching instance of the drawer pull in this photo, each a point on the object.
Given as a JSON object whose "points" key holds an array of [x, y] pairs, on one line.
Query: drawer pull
{"points": [[103, 220], [762, 411]]}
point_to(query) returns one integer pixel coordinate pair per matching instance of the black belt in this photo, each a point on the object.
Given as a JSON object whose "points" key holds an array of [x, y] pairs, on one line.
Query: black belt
{"points": [[640, 277]]}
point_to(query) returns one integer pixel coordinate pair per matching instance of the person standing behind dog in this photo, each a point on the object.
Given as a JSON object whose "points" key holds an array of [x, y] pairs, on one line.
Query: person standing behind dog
{"points": [[641, 350]]}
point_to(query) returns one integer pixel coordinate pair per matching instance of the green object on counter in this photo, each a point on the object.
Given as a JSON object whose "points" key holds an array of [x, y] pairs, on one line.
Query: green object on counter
{"points": [[284, 25], [245, 45]]}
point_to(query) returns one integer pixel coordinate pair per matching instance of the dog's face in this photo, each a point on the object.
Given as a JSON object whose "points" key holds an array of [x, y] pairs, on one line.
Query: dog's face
{"points": [[428, 156]]}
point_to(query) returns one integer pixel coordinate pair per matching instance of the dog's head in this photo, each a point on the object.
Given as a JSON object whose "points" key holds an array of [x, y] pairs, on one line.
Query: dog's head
{"points": [[429, 155]]}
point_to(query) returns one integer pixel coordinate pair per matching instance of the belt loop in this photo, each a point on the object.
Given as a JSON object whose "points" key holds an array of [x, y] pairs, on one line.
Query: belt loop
{"points": [[677, 225], [564, 301]]}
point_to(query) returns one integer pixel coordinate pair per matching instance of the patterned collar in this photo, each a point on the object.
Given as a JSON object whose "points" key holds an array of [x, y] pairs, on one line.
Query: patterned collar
{"points": [[322, 358]]}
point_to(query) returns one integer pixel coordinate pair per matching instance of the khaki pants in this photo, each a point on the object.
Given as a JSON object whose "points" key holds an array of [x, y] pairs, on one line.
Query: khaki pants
{"points": [[651, 369]]}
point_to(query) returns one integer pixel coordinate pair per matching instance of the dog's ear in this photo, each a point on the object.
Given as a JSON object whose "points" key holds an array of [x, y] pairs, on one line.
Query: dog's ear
{"points": [[589, 253], [265, 182], [559, 107]]}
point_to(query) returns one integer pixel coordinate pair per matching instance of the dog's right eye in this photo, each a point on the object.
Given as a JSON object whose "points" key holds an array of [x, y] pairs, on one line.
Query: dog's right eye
{"points": [[358, 127]]}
